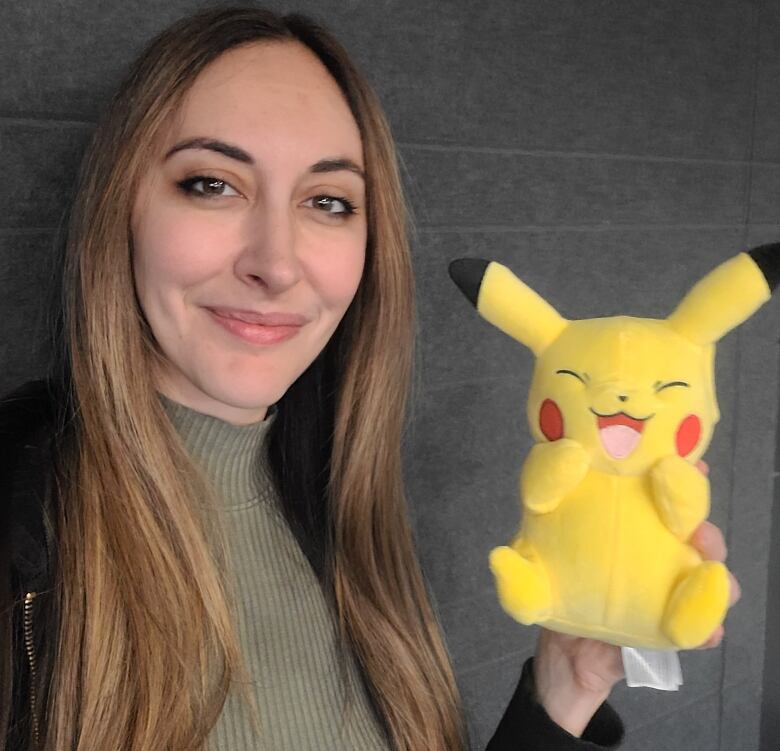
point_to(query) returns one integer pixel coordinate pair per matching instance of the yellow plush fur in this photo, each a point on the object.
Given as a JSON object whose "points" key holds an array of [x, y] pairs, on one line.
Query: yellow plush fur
{"points": [[621, 409]]}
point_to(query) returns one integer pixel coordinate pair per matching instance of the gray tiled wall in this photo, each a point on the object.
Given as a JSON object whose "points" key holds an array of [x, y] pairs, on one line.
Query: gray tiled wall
{"points": [[611, 153]]}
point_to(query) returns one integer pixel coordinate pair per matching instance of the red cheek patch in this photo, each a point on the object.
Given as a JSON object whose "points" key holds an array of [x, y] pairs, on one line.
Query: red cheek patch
{"points": [[551, 420], [688, 435]]}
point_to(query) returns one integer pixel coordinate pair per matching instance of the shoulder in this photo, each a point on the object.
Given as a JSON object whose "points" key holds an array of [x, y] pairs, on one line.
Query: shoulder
{"points": [[27, 423], [27, 426], [25, 409]]}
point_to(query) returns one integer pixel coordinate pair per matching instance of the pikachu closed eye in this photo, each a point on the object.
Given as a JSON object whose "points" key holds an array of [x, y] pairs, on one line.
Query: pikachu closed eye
{"points": [[621, 408]]}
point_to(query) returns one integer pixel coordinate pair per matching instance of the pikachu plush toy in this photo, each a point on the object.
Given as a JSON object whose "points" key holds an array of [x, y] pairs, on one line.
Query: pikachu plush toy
{"points": [[620, 409]]}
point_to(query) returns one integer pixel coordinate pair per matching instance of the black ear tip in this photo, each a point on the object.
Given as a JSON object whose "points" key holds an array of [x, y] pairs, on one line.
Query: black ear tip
{"points": [[767, 258], [467, 273]]}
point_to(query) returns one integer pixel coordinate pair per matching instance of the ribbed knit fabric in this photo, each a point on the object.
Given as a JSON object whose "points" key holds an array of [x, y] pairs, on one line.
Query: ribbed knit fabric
{"points": [[286, 627]]}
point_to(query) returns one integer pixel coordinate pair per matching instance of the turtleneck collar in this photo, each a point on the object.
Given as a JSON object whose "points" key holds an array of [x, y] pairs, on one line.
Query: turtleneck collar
{"points": [[233, 456]]}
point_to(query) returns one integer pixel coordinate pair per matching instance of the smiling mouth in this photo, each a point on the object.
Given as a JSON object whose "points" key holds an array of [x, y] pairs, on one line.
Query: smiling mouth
{"points": [[255, 333], [620, 433]]}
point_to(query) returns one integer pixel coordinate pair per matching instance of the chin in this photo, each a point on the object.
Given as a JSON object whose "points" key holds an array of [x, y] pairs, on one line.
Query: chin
{"points": [[251, 397]]}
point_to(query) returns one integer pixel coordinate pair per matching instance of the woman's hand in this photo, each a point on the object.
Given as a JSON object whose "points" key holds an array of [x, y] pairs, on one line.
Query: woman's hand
{"points": [[574, 675]]}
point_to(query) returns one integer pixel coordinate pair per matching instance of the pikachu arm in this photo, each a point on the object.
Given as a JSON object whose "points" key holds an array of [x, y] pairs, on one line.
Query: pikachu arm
{"points": [[550, 472], [681, 494]]}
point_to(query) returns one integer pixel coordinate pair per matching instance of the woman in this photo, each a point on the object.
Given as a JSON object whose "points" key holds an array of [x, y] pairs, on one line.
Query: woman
{"points": [[227, 403]]}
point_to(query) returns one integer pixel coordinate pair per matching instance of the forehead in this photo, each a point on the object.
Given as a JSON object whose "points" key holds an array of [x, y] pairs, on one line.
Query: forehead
{"points": [[270, 96]]}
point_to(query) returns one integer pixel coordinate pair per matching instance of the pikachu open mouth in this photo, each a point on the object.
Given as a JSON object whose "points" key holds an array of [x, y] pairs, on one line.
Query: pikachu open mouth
{"points": [[620, 433]]}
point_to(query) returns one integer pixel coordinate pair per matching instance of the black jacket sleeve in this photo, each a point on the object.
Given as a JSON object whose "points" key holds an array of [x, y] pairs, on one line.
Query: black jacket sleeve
{"points": [[526, 726], [25, 429]]}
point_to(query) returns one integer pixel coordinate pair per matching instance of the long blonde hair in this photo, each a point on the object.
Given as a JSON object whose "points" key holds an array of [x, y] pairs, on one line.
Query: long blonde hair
{"points": [[141, 587]]}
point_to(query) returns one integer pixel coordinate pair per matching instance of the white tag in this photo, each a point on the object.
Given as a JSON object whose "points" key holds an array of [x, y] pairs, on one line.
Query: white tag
{"points": [[652, 668]]}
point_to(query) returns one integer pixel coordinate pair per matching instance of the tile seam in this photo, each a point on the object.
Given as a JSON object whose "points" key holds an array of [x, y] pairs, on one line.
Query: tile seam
{"points": [[611, 227], [555, 154], [46, 122]]}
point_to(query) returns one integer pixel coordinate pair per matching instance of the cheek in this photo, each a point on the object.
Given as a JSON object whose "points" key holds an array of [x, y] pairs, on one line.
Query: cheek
{"points": [[551, 420], [334, 269], [688, 434], [173, 251]]}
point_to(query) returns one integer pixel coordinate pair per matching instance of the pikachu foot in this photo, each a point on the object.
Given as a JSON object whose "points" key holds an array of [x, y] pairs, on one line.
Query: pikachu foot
{"points": [[697, 605], [523, 586]]}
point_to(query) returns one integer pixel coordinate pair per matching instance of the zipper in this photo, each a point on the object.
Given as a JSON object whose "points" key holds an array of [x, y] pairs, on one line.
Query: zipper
{"points": [[30, 647]]}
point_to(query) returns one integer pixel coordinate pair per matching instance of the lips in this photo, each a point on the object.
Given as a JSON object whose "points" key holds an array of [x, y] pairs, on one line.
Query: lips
{"points": [[619, 433], [262, 334], [263, 319]]}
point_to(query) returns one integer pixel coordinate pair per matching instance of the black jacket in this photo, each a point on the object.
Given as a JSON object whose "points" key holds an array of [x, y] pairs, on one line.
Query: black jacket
{"points": [[28, 608]]}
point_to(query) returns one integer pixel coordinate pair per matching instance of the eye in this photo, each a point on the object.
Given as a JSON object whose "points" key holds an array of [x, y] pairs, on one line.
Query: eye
{"points": [[334, 205], [661, 386], [572, 373], [206, 186]]}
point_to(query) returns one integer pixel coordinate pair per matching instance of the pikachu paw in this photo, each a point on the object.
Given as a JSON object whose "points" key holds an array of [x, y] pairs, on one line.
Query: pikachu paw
{"points": [[697, 605], [551, 471], [682, 495], [523, 586]]}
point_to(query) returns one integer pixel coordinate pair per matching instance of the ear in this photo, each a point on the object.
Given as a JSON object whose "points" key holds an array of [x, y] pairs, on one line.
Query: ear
{"points": [[767, 258], [506, 302], [728, 295]]}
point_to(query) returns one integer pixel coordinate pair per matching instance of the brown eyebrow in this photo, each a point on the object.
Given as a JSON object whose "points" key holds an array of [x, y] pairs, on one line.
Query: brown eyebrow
{"points": [[234, 152], [237, 153], [336, 165]]}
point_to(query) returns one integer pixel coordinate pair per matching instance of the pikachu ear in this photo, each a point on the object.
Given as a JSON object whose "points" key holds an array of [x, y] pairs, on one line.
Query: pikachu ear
{"points": [[506, 302], [767, 258], [728, 295]]}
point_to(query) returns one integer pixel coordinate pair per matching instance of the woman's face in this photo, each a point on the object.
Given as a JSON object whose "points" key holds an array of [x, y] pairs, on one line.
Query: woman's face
{"points": [[257, 204]]}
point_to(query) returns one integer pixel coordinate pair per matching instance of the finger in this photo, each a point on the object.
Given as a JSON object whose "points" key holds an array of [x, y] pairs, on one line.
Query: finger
{"points": [[735, 591], [703, 467], [597, 665], [714, 640], [709, 541]]}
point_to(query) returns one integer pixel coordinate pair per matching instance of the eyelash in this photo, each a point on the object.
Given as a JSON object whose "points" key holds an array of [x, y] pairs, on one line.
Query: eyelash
{"points": [[186, 186], [671, 383], [348, 205], [571, 372]]}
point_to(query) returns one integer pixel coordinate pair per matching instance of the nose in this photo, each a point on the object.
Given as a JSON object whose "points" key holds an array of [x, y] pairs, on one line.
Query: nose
{"points": [[607, 393], [270, 256]]}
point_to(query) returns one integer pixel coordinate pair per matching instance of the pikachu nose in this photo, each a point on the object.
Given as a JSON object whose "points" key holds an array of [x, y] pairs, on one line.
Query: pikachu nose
{"points": [[614, 397]]}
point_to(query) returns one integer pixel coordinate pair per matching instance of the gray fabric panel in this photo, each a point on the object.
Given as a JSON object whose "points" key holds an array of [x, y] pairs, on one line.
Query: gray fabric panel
{"points": [[39, 168], [765, 194], [767, 136], [470, 649], [751, 521], [687, 726], [455, 188], [25, 269], [739, 725], [662, 78], [463, 491]]}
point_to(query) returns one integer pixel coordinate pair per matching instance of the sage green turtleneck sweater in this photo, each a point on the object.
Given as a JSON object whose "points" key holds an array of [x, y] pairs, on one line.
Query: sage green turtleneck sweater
{"points": [[286, 627]]}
